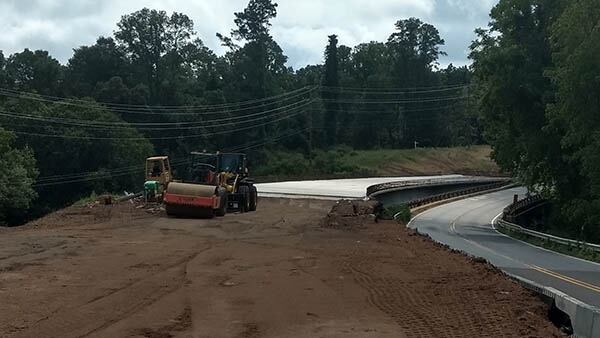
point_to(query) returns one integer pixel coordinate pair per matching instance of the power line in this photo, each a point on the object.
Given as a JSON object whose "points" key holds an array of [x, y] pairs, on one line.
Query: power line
{"points": [[133, 107], [128, 169], [383, 91], [177, 125], [149, 111], [353, 111], [400, 89], [79, 178], [397, 101], [169, 137]]}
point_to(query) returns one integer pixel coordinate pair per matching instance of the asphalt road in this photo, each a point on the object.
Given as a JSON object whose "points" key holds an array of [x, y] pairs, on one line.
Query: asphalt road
{"points": [[467, 225]]}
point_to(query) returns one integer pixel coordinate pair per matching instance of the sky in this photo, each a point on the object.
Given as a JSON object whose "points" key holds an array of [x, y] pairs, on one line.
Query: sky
{"points": [[301, 27]]}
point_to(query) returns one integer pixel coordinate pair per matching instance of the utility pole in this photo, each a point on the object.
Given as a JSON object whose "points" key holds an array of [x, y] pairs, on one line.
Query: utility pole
{"points": [[310, 130], [313, 98]]}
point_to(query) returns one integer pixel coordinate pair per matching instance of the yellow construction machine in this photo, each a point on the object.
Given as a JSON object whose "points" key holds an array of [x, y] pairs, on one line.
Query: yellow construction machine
{"points": [[214, 184], [158, 176]]}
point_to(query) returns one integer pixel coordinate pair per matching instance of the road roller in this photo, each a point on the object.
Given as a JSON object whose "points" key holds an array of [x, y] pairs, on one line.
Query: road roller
{"points": [[213, 185]]}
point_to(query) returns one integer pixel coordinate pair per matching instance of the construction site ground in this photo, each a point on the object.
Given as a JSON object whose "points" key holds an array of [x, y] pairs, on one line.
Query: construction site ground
{"points": [[287, 270]]}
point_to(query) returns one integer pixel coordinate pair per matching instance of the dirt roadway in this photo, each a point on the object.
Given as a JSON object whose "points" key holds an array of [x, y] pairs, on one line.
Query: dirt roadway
{"points": [[120, 272]]}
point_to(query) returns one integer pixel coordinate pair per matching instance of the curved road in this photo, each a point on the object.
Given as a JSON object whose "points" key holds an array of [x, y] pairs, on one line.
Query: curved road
{"points": [[467, 225]]}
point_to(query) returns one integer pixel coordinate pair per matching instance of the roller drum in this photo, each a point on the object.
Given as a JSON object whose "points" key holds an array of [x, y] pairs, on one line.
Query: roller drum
{"points": [[187, 189]]}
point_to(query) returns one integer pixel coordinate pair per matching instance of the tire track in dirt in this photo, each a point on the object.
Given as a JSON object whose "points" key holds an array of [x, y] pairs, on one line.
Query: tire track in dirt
{"points": [[179, 324], [117, 305], [412, 308], [35, 252], [177, 263], [181, 279], [379, 297]]}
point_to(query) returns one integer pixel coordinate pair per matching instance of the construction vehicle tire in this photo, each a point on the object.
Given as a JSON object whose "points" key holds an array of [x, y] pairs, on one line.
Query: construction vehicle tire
{"points": [[244, 191], [253, 198], [222, 211], [169, 211], [174, 210]]}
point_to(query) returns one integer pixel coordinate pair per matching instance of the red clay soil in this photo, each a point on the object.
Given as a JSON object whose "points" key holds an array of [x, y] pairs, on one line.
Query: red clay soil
{"points": [[118, 271]]}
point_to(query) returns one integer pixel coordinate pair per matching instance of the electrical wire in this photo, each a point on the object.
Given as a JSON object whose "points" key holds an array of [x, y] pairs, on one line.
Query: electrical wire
{"points": [[50, 98], [169, 137], [79, 178], [177, 125], [400, 89], [150, 110], [397, 101], [382, 91]]}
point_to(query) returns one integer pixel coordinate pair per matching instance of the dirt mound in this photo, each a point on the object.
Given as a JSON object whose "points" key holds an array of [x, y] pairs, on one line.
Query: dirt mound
{"points": [[93, 213], [351, 214]]}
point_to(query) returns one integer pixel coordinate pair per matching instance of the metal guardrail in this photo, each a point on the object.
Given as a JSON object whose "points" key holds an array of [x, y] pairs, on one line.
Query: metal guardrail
{"points": [[523, 204], [585, 319], [513, 211], [435, 182], [448, 195], [550, 238]]}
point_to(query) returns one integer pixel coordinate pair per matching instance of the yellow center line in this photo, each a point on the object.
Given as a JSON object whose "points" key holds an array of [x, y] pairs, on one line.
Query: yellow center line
{"points": [[554, 274], [567, 278]]}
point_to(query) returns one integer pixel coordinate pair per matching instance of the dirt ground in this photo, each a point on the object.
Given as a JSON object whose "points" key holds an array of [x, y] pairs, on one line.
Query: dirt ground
{"points": [[118, 271]]}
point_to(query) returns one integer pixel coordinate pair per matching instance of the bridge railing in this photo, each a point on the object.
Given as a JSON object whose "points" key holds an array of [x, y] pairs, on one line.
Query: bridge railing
{"points": [[502, 224], [523, 204], [441, 197]]}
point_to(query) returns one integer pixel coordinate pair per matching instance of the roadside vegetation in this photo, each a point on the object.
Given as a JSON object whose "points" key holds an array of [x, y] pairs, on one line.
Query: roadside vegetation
{"points": [[575, 251], [399, 212], [344, 162], [537, 76]]}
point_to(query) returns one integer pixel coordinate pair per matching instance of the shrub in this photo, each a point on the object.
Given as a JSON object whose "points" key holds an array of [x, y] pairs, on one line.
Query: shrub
{"points": [[399, 212]]}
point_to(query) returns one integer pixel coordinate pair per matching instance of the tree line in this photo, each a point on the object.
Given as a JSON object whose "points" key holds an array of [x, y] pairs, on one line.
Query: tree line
{"points": [[153, 87], [537, 76]]}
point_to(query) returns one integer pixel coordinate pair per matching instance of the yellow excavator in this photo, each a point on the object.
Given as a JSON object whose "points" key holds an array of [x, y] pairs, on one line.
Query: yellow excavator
{"points": [[214, 184]]}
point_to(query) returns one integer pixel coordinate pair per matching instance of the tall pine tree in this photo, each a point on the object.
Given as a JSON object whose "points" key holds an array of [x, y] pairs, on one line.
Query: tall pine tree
{"points": [[330, 94]]}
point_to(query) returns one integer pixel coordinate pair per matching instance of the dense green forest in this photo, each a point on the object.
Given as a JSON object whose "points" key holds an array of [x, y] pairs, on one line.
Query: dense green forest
{"points": [[537, 76], [155, 88]]}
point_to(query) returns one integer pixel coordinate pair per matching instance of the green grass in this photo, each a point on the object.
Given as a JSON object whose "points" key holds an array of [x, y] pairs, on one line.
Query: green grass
{"points": [[401, 210], [574, 251], [424, 161], [343, 162]]}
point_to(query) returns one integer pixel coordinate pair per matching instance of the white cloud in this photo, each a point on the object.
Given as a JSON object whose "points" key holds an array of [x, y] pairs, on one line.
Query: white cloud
{"points": [[301, 27]]}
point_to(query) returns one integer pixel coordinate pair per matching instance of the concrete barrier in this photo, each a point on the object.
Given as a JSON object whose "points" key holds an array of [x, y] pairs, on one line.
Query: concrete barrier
{"points": [[417, 194], [585, 319]]}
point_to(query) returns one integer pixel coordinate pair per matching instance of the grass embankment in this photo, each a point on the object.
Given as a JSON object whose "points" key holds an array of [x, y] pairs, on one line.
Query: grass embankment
{"points": [[473, 160], [575, 251], [344, 162]]}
